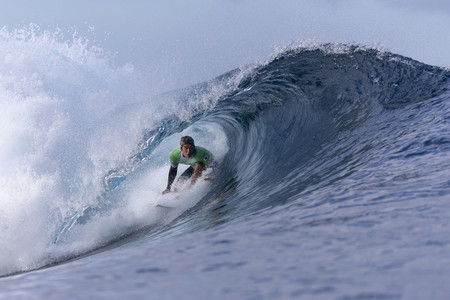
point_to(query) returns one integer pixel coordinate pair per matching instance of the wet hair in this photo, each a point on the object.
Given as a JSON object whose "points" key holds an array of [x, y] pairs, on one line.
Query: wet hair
{"points": [[187, 140]]}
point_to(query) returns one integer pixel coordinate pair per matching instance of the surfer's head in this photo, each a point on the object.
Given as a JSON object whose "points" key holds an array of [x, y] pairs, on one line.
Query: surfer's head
{"points": [[187, 140], [187, 146]]}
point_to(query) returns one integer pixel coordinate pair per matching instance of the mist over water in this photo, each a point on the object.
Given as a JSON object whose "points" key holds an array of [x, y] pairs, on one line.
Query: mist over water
{"points": [[314, 141]]}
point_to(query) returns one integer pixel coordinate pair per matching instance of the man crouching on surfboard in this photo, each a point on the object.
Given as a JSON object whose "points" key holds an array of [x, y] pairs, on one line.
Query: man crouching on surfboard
{"points": [[197, 157]]}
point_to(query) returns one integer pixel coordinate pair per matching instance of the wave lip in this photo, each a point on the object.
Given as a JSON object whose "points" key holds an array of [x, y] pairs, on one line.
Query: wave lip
{"points": [[287, 119]]}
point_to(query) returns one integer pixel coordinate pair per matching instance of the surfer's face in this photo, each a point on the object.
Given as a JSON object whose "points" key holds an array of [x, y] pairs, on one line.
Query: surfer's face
{"points": [[188, 150]]}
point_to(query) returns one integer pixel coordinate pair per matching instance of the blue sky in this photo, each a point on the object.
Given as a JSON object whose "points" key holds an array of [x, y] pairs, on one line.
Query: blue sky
{"points": [[192, 41]]}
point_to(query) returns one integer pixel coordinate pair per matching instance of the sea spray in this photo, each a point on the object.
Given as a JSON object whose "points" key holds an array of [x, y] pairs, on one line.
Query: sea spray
{"points": [[70, 117], [53, 93]]}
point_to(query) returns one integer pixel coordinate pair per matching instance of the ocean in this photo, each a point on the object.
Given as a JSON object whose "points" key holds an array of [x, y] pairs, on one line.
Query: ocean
{"points": [[333, 176]]}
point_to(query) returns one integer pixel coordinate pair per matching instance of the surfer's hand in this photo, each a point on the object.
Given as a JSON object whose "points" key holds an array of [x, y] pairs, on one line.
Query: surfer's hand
{"points": [[166, 191], [209, 178]]}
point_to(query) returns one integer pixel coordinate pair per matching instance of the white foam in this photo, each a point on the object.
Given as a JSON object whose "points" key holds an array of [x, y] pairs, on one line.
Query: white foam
{"points": [[68, 116], [54, 96], [141, 192]]}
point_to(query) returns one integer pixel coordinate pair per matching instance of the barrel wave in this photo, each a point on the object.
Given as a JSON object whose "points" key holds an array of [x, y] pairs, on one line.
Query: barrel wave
{"points": [[325, 152], [308, 127], [310, 119]]}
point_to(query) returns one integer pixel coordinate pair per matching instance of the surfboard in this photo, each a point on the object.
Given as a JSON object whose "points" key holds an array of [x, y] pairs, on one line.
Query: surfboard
{"points": [[169, 201], [164, 206]]}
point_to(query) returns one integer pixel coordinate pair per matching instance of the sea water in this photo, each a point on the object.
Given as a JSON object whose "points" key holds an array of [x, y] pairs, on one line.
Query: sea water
{"points": [[333, 176]]}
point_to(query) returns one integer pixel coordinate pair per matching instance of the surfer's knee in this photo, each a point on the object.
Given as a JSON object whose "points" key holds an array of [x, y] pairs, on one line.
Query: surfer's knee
{"points": [[199, 166]]}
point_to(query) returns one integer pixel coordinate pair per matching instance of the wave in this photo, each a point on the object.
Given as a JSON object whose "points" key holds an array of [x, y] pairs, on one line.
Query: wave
{"points": [[283, 115], [292, 122], [89, 164]]}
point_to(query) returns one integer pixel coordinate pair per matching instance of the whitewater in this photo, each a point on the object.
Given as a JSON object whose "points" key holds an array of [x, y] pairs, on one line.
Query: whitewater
{"points": [[333, 182]]}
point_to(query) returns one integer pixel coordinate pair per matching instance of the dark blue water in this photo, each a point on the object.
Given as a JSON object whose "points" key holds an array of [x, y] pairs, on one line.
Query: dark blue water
{"points": [[333, 183]]}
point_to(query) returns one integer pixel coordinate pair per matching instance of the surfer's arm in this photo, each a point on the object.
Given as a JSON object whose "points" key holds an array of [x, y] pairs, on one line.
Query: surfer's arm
{"points": [[172, 175], [212, 174]]}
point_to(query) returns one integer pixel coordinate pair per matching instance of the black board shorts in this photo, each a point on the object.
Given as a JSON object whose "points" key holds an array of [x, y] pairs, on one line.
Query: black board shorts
{"points": [[187, 174]]}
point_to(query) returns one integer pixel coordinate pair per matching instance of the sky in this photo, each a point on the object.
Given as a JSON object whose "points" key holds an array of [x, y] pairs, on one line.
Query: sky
{"points": [[186, 42]]}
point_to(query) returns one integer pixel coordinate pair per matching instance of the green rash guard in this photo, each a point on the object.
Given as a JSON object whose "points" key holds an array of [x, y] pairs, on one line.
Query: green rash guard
{"points": [[200, 155]]}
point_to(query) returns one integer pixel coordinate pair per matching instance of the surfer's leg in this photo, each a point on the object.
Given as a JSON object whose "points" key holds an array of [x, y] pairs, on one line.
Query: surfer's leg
{"points": [[199, 168], [186, 175]]}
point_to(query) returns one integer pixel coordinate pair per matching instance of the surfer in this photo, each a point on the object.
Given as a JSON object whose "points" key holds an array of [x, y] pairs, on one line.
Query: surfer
{"points": [[198, 159]]}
